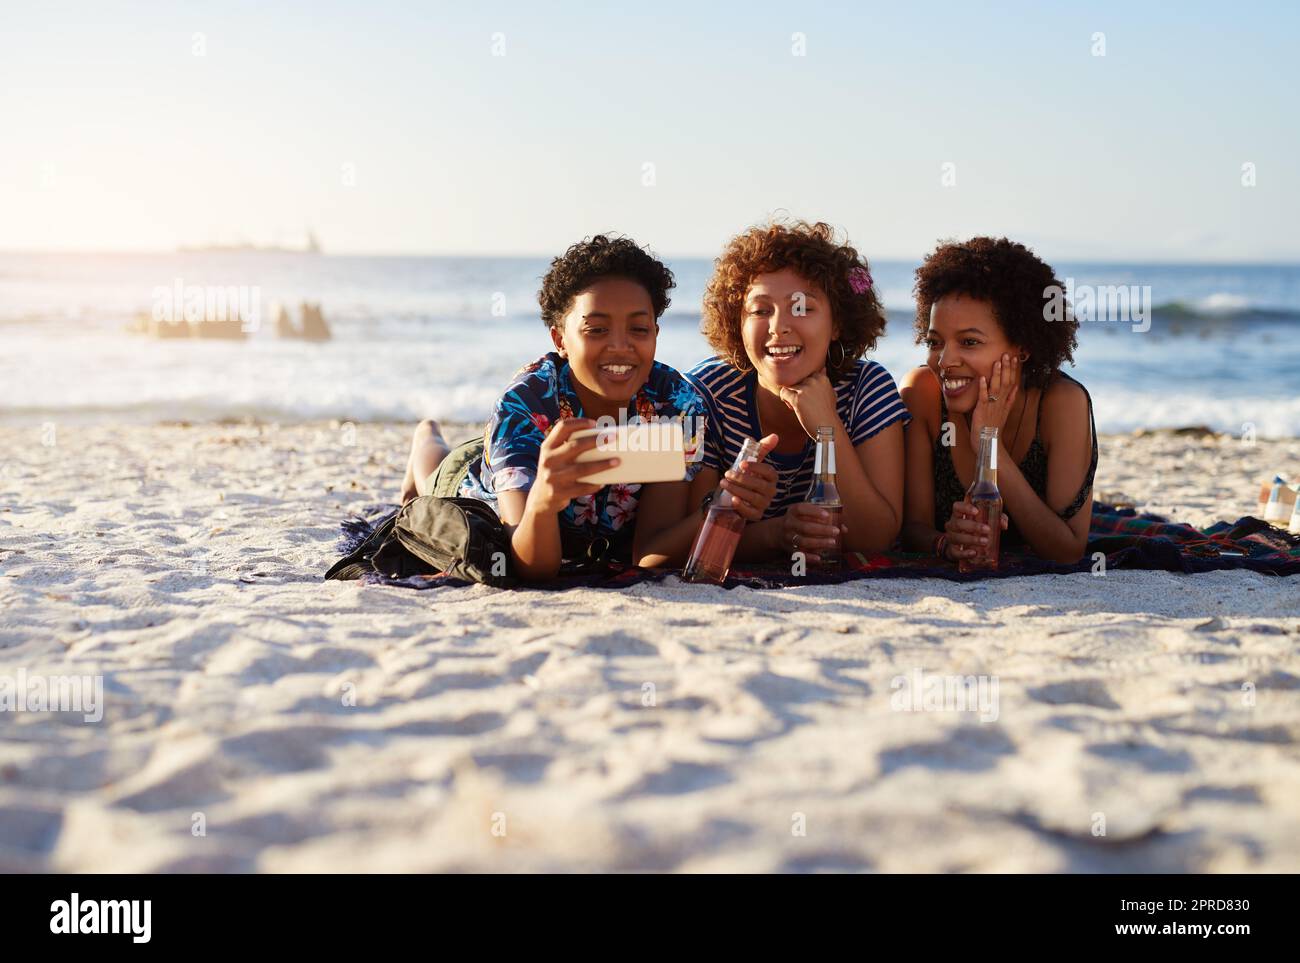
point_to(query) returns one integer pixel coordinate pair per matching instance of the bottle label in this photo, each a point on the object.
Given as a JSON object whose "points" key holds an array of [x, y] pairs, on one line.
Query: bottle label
{"points": [[824, 455]]}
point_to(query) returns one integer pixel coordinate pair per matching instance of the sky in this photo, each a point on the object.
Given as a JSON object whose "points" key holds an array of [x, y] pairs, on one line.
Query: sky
{"points": [[1105, 131]]}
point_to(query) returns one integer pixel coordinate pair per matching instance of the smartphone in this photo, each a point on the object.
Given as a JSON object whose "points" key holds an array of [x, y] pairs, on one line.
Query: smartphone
{"points": [[647, 452]]}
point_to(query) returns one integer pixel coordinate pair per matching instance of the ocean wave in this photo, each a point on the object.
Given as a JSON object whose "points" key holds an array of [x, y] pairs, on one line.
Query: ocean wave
{"points": [[357, 410], [1224, 307], [1117, 411]]}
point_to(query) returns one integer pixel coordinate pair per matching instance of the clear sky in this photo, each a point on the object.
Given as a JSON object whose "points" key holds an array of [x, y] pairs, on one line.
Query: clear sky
{"points": [[399, 127]]}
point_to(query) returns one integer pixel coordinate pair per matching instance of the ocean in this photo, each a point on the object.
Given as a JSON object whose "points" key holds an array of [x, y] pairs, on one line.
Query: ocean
{"points": [[439, 337]]}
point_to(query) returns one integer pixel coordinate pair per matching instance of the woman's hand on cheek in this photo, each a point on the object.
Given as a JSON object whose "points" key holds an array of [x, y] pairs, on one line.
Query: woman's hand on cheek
{"points": [[558, 470], [814, 401], [997, 394]]}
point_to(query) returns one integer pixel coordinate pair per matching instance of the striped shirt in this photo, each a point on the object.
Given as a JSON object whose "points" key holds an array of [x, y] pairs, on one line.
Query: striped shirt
{"points": [[867, 400]]}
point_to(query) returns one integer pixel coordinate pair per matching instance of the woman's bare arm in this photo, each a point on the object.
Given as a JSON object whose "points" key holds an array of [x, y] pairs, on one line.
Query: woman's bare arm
{"points": [[920, 393], [1066, 432]]}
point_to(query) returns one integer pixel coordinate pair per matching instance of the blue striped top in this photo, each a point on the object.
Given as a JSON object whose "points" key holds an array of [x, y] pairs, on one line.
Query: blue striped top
{"points": [[867, 399]]}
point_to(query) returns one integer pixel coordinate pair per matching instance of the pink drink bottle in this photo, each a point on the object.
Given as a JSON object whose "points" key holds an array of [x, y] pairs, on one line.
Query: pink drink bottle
{"points": [[984, 495], [715, 545]]}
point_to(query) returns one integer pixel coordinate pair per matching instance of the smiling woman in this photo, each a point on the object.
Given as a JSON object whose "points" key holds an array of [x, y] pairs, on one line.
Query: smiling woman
{"points": [[790, 310], [993, 361], [601, 301]]}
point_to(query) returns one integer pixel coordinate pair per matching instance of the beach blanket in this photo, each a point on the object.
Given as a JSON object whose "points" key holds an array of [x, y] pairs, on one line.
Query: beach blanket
{"points": [[1118, 539]]}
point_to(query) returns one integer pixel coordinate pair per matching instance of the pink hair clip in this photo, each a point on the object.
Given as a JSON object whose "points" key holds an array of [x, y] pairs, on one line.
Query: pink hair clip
{"points": [[860, 280]]}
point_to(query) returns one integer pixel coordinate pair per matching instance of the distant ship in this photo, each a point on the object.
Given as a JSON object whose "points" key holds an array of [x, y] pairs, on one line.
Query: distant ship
{"points": [[311, 247]]}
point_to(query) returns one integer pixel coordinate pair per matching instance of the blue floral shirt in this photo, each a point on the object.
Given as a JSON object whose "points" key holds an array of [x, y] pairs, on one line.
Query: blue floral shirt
{"points": [[542, 394]]}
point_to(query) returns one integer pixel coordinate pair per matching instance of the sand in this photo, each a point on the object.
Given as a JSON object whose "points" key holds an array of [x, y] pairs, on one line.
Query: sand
{"points": [[256, 718]]}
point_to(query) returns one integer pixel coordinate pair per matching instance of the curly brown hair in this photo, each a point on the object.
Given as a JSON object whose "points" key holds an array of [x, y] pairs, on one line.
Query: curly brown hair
{"points": [[814, 253], [594, 258], [1012, 279]]}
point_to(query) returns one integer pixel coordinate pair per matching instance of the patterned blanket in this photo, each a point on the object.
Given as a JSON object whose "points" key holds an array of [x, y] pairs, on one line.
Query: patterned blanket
{"points": [[1118, 539]]}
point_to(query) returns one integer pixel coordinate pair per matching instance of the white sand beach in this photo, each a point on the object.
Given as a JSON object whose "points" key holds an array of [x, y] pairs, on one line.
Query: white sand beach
{"points": [[319, 726]]}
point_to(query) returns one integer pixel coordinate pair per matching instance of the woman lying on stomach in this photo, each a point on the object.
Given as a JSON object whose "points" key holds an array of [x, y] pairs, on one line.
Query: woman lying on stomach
{"points": [[601, 301], [790, 311], [996, 343]]}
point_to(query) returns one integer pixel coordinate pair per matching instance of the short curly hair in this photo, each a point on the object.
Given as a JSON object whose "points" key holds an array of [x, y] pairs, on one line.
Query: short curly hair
{"points": [[1013, 280], [814, 253], [594, 258]]}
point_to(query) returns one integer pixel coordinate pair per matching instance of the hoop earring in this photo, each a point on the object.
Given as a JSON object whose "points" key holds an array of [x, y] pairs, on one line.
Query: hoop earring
{"points": [[843, 354]]}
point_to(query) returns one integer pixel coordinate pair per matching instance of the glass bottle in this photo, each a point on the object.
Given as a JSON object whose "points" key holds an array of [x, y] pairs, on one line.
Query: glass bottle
{"points": [[825, 494], [984, 495], [1276, 509], [715, 545]]}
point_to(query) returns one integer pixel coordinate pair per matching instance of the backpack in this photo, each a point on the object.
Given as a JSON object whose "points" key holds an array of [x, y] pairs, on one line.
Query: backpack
{"points": [[429, 535]]}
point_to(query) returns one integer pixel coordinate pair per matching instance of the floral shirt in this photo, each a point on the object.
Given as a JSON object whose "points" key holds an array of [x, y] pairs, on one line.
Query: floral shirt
{"points": [[542, 394]]}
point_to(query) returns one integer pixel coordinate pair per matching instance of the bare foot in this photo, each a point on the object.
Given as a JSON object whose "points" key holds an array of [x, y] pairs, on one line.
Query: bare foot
{"points": [[409, 490], [428, 449]]}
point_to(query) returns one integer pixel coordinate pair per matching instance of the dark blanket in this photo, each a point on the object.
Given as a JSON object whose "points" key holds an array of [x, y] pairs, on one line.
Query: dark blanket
{"points": [[1126, 539]]}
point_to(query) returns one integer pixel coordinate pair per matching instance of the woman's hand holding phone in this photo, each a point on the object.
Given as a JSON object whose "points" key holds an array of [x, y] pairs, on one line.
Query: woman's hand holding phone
{"points": [[558, 470]]}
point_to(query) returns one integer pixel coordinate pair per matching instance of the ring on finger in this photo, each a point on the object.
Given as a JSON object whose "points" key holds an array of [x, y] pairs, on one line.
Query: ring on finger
{"points": [[794, 542]]}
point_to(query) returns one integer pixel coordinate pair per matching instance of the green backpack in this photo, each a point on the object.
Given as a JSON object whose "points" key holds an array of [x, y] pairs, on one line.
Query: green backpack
{"points": [[429, 535]]}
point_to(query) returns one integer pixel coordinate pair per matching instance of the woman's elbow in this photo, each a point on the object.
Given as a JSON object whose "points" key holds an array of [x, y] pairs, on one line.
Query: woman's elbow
{"points": [[658, 550], [882, 537], [654, 560], [879, 538], [536, 573], [1070, 554]]}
